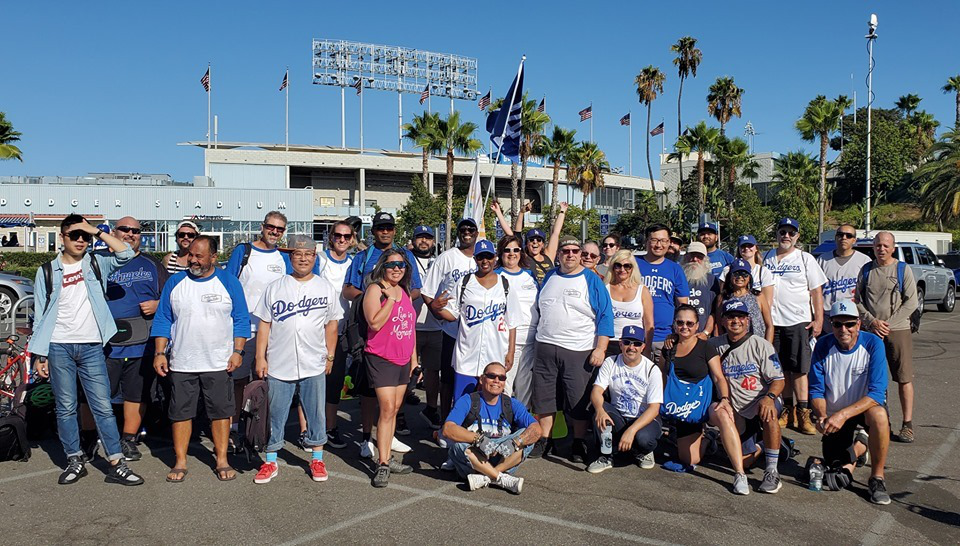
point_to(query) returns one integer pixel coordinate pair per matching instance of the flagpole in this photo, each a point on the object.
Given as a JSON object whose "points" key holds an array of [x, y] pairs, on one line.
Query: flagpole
{"points": [[209, 92], [630, 140], [286, 134], [591, 121], [493, 172]]}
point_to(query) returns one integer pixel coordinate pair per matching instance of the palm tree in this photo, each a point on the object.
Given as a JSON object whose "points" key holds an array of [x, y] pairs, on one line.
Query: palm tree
{"points": [[8, 135], [939, 179], [796, 174], [649, 83], [724, 100], [456, 136], [423, 133], [926, 126], [687, 60], [558, 148], [733, 156], [702, 140], [820, 118], [532, 123], [585, 168], [907, 104], [953, 86]]}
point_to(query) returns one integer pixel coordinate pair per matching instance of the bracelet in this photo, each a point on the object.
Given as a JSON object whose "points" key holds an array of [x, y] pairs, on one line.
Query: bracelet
{"points": [[99, 233], [160, 353]]}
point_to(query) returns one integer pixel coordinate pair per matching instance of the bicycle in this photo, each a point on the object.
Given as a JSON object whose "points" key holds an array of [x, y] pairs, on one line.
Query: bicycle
{"points": [[14, 368]]}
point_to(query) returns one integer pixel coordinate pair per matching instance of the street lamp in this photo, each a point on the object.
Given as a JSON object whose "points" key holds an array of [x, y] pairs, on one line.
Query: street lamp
{"points": [[871, 37]]}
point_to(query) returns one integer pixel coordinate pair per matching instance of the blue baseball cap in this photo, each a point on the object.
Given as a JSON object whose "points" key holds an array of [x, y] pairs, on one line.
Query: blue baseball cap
{"points": [[484, 246], [709, 225], [423, 230], [735, 305], [844, 308], [467, 222], [740, 265], [746, 240], [632, 332], [792, 222], [535, 233]]}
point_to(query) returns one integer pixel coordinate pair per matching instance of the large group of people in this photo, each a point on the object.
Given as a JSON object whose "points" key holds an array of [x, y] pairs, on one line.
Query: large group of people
{"points": [[684, 353]]}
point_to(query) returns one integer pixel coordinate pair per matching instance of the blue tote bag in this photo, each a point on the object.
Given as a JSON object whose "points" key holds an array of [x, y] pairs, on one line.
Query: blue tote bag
{"points": [[685, 401]]}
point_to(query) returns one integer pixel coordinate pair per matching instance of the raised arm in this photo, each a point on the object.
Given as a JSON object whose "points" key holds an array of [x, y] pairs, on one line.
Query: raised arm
{"points": [[504, 224], [554, 242]]}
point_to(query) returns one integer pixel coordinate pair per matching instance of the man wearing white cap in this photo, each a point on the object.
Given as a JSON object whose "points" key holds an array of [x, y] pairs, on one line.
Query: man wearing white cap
{"points": [[704, 286]]}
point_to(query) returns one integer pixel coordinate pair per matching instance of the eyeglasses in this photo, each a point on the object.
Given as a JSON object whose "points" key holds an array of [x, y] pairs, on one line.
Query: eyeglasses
{"points": [[186, 235], [495, 377], [301, 254], [272, 227], [344, 236], [685, 323], [512, 250], [849, 325], [695, 256], [126, 229], [568, 251], [788, 232], [627, 267], [535, 240], [659, 241], [395, 265], [79, 234], [631, 343], [609, 245], [589, 256], [845, 235]]}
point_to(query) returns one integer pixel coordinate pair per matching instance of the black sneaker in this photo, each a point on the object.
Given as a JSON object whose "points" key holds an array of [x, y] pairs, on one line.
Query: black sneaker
{"points": [[382, 476], [334, 439], [878, 491], [542, 448], [432, 417], [402, 428], [129, 449], [579, 452], [90, 444], [121, 473], [74, 471]]}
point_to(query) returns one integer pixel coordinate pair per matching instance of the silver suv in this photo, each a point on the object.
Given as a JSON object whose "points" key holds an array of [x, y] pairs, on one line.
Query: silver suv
{"points": [[12, 288], [935, 281]]}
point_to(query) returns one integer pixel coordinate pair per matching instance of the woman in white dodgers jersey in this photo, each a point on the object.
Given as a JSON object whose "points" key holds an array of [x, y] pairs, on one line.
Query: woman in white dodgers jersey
{"points": [[632, 303], [524, 284]]}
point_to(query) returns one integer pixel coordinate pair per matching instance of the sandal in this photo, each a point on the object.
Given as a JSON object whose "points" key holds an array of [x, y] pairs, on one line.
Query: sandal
{"points": [[224, 469], [181, 471]]}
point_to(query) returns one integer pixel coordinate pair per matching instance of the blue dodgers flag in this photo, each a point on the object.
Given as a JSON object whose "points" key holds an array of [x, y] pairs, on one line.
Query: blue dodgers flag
{"points": [[505, 133]]}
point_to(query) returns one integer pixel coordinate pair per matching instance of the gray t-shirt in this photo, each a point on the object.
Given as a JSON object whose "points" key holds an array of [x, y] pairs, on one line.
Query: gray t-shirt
{"points": [[842, 273], [750, 368], [881, 297]]}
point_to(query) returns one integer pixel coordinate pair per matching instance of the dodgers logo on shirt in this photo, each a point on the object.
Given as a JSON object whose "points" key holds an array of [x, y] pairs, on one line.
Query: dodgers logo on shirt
{"points": [[282, 310], [782, 269], [840, 286], [658, 285], [684, 410], [572, 292], [127, 278], [490, 312], [738, 371], [211, 298]]}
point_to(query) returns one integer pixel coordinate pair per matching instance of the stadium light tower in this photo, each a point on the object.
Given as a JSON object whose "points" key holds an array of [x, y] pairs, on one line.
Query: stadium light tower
{"points": [[871, 37]]}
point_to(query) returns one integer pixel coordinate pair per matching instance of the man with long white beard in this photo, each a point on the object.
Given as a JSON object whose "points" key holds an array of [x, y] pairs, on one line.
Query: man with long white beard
{"points": [[704, 286]]}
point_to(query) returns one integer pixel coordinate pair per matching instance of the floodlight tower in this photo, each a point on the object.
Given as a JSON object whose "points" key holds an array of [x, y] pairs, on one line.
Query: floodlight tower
{"points": [[871, 37]]}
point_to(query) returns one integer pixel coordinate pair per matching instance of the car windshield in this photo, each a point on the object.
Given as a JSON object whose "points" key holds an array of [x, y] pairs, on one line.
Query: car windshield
{"points": [[868, 250]]}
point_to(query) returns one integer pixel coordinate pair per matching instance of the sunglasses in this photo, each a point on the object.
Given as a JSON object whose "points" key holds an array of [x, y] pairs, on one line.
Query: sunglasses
{"points": [[186, 235], [849, 325], [627, 267], [125, 229], [695, 256], [787, 233], [569, 251], [467, 229], [844, 235], [535, 240], [385, 228], [685, 323], [512, 250], [79, 234], [739, 274], [609, 245], [495, 376], [395, 265], [589, 255], [272, 227], [736, 316], [484, 257], [631, 343], [344, 236]]}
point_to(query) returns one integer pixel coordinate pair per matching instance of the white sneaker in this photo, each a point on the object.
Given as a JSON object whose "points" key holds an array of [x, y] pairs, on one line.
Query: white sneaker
{"points": [[441, 441], [366, 450], [447, 466], [510, 483], [647, 461], [477, 481], [399, 446]]}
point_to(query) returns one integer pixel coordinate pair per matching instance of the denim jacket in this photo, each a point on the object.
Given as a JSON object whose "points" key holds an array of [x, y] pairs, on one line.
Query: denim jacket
{"points": [[46, 317]]}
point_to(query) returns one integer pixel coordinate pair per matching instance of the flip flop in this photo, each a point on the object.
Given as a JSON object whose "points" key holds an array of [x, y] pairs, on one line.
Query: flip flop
{"points": [[181, 471], [221, 470]]}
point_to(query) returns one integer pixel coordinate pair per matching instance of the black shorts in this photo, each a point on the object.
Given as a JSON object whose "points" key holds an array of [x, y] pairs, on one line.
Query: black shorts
{"points": [[446, 359], [383, 373], [132, 377], [685, 429], [792, 344], [562, 373], [245, 370], [186, 389], [338, 372], [429, 349], [838, 447]]}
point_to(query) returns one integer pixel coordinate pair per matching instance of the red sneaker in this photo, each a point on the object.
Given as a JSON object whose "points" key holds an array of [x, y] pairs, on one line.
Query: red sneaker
{"points": [[268, 471], [318, 470]]}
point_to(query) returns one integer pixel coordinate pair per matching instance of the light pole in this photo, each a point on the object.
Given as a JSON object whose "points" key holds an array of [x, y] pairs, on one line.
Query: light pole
{"points": [[871, 37]]}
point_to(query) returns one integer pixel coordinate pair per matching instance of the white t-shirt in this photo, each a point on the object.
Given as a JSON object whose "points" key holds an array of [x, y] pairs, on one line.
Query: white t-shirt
{"points": [[485, 319], [761, 276], [426, 322], [446, 272], [795, 275], [75, 320], [298, 313], [524, 284], [263, 267], [841, 273], [335, 272], [574, 310], [626, 313], [632, 389]]}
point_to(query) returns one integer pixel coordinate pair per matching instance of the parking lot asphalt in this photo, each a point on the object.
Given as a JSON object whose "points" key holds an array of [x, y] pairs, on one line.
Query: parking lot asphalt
{"points": [[560, 502]]}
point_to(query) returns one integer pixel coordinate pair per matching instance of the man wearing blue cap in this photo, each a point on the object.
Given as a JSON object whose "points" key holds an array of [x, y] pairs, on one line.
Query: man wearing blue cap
{"points": [[709, 234], [797, 314], [636, 392]]}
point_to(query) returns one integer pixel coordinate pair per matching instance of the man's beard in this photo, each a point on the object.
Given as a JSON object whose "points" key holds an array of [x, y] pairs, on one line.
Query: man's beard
{"points": [[422, 253], [696, 272]]}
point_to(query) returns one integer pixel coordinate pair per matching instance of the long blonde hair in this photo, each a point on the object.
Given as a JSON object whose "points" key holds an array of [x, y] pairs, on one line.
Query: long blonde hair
{"points": [[624, 255]]}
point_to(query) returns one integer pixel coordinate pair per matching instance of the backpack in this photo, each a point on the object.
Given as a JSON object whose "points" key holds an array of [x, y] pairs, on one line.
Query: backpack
{"points": [[247, 249], [13, 428], [473, 416], [901, 270], [466, 279], [355, 329], [48, 278], [255, 417]]}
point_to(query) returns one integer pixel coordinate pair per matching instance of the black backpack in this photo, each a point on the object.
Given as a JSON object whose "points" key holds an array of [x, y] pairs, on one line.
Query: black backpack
{"points": [[13, 428], [255, 417], [466, 279], [473, 416], [247, 249]]}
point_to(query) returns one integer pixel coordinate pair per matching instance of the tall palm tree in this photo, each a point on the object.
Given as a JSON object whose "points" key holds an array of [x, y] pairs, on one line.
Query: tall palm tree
{"points": [[8, 135], [820, 119], [926, 126], [456, 136], [907, 104], [796, 173], [724, 101], [939, 179], [557, 148], [702, 140], [733, 156], [649, 83], [687, 60], [585, 168], [423, 133], [953, 86], [532, 123]]}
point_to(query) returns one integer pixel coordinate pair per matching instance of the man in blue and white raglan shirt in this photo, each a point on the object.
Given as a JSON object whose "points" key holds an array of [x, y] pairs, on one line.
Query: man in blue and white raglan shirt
{"points": [[667, 284], [296, 340], [848, 388], [709, 234], [203, 320], [576, 324]]}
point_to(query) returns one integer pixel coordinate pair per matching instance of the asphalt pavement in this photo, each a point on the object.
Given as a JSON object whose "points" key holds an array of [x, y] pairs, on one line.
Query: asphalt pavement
{"points": [[560, 502]]}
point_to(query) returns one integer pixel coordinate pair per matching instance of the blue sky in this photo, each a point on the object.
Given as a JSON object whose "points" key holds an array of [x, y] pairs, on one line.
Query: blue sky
{"points": [[108, 87]]}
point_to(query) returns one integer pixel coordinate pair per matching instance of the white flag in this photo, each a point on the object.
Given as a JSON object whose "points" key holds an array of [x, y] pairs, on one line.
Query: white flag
{"points": [[473, 207]]}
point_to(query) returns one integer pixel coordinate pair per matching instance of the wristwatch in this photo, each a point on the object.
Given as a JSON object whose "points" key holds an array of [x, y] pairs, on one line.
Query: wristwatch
{"points": [[771, 396], [159, 353], [99, 233], [331, 358], [240, 352]]}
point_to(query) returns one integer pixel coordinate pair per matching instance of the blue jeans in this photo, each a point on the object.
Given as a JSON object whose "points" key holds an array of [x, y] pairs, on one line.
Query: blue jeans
{"points": [[458, 454], [312, 400], [86, 360], [646, 438]]}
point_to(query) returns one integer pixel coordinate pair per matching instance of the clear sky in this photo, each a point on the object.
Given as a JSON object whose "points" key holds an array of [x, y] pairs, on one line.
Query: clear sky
{"points": [[114, 86]]}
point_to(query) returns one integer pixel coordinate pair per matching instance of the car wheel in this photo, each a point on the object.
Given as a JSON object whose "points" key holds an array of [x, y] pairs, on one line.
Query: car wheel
{"points": [[949, 301], [7, 299], [921, 299]]}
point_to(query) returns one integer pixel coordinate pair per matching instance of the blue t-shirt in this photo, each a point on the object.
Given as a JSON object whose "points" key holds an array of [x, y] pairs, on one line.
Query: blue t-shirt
{"points": [[702, 297], [717, 260], [666, 282], [490, 416], [365, 261], [139, 280]]}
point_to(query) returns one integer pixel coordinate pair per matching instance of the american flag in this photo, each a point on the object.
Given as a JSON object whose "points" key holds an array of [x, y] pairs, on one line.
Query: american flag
{"points": [[586, 113], [658, 130], [483, 103], [358, 85], [283, 84], [205, 80], [426, 94], [625, 120], [543, 105]]}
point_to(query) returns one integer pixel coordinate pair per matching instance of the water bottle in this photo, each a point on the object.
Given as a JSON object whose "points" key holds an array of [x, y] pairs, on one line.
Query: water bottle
{"points": [[606, 440], [816, 477]]}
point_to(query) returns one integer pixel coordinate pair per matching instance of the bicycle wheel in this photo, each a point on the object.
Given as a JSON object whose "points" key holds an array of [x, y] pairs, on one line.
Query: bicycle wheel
{"points": [[13, 375]]}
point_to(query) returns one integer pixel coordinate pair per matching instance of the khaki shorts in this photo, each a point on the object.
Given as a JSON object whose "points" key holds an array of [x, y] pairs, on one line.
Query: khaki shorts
{"points": [[899, 348]]}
